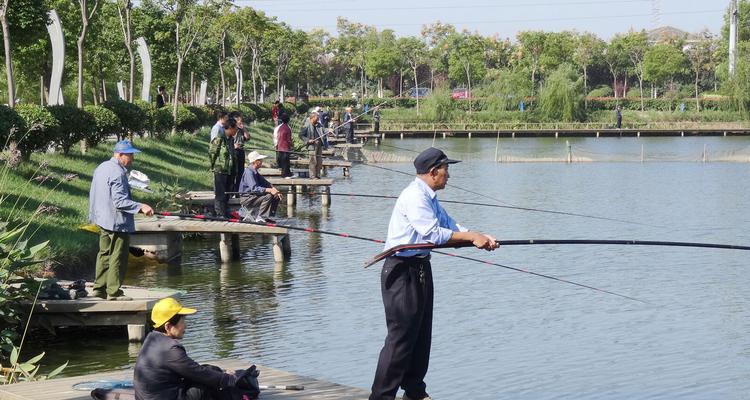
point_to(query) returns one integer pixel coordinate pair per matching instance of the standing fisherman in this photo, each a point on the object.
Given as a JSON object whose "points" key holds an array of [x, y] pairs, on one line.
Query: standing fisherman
{"points": [[223, 163], [406, 279], [349, 121], [312, 135], [111, 208]]}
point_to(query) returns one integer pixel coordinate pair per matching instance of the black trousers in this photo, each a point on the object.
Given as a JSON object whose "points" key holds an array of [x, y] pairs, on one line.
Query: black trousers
{"points": [[282, 158], [222, 184], [406, 285], [376, 127], [239, 170], [350, 133]]}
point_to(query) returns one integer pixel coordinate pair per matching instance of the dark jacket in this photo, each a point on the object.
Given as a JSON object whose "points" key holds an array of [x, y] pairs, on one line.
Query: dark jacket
{"points": [[163, 370]]}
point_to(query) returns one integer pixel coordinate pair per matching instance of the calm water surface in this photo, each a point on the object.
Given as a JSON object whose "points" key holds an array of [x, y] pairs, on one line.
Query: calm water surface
{"points": [[497, 333]]}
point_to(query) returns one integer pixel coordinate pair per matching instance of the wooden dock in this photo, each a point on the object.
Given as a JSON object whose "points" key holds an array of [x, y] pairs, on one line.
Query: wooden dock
{"points": [[161, 237], [297, 187], [62, 388], [327, 163], [94, 311]]}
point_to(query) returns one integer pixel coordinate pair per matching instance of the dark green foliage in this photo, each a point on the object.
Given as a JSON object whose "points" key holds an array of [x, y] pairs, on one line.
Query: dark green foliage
{"points": [[204, 114], [186, 120], [107, 123], [9, 121], [75, 125], [132, 117], [39, 129], [248, 114]]}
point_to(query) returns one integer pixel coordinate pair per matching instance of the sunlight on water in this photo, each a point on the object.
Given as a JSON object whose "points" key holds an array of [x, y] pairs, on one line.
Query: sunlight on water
{"points": [[497, 333]]}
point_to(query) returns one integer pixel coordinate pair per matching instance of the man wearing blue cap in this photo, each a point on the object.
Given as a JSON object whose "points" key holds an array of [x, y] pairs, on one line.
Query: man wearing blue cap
{"points": [[112, 208], [406, 278]]}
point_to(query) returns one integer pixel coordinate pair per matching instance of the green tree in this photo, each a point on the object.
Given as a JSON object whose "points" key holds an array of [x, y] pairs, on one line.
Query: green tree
{"points": [[561, 97], [530, 50], [616, 58], [635, 45], [20, 19], [588, 51], [663, 63], [415, 54], [701, 57], [436, 36], [383, 60], [352, 46], [466, 60]]}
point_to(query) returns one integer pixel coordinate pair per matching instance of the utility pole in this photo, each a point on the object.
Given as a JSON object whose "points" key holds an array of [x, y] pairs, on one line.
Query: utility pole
{"points": [[733, 20]]}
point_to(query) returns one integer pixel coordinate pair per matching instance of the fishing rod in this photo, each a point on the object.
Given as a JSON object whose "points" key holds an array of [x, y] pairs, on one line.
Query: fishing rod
{"points": [[501, 205], [546, 242], [352, 120], [404, 247], [109, 384]]}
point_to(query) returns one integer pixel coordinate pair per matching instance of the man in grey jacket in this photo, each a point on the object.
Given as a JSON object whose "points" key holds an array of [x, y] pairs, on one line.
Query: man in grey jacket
{"points": [[112, 208], [312, 135]]}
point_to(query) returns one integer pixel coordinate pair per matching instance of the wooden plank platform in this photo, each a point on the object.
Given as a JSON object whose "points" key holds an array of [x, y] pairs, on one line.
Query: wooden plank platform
{"points": [[161, 237], [174, 224], [349, 146], [326, 162], [94, 311], [315, 389], [300, 181]]}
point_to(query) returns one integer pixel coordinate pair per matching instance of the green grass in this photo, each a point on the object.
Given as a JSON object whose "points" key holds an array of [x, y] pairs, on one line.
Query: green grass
{"points": [[173, 160]]}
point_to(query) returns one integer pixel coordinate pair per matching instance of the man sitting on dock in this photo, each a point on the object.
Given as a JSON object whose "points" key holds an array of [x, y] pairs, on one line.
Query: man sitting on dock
{"points": [[163, 370], [259, 196], [112, 208]]}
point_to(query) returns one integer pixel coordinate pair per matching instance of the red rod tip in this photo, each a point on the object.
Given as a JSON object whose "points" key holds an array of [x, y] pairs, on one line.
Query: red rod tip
{"points": [[344, 234], [200, 216], [309, 230]]}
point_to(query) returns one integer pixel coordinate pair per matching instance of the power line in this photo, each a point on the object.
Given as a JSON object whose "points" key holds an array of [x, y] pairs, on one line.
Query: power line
{"points": [[515, 5]]}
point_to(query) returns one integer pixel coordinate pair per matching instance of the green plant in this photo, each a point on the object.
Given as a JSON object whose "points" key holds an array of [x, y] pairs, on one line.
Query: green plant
{"points": [[601, 91], [39, 130], [204, 114], [186, 121], [75, 125], [9, 121], [132, 116], [438, 106], [107, 123], [561, 97]]}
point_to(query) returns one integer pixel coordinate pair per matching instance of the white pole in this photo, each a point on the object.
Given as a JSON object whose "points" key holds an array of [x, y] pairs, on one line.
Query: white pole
{"points": [[733, 19]]}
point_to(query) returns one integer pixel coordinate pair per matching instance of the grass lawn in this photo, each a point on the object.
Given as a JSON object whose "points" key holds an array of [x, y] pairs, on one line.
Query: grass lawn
{"points": [[46, 180]]}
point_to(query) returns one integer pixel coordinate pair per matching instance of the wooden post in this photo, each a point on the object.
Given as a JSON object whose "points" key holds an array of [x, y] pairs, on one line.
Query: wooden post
{"points": [[291, 198], [281, 248], [570, 152], [642, 158], [325, 198], [497, 145], [225, 252], [136, 333]]}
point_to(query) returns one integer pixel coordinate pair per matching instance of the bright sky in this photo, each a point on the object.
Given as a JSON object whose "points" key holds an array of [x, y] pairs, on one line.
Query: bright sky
{"points": [[502, 17]]}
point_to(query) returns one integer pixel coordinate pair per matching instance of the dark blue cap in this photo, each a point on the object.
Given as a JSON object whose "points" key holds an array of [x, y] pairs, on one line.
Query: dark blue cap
{"points": [[431, 158], [125, 147]]}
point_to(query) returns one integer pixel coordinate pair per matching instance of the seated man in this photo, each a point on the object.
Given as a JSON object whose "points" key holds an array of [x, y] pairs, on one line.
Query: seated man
{"points": [[163, 370], [259, 197]]}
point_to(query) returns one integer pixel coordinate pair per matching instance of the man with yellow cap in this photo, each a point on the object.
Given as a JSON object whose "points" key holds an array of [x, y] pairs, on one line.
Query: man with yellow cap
{"points": [[163, 370]]}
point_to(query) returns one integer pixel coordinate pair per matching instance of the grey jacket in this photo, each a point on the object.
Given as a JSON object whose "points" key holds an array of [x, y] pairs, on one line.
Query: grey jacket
{"points": [[110, 204], [309, 132], [163, 371]]}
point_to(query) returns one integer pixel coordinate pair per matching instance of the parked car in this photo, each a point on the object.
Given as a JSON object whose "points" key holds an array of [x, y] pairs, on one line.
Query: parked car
{"points": [[422, 92], [460, 93]]}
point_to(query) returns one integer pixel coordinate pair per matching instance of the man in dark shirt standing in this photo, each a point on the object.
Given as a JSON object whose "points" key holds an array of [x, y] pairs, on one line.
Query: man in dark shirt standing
{"points": [[239, 148], [161, 97], [312, 135], [262, 198], [163, 370]]}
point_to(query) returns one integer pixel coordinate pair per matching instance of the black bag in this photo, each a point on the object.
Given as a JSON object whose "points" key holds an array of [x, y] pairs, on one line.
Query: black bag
{"points": [[247, 387]]}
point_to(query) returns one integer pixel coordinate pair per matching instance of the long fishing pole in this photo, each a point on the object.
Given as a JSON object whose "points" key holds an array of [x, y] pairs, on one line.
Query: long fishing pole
{"points": [[346, 235], [546, 242]]}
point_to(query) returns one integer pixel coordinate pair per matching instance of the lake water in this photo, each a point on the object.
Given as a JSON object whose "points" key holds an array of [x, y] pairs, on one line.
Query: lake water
{"points": [[497, 333]]}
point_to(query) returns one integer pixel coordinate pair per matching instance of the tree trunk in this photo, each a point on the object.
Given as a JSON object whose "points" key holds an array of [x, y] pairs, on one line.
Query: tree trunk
{"points": [[614, 84], [128, 39], [192, 88], [8, 56], [467, 68], [697, 100], [104, 91], [640, 86], [585, 88], [223, 84], [176, 94]]}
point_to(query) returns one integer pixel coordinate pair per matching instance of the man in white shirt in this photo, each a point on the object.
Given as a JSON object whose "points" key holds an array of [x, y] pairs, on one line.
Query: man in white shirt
{"points": [[406, 278]]}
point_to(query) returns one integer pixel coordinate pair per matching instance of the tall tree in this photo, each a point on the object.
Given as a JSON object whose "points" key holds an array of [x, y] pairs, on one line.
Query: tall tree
{"points": [[87, 13], [124, 9], [701, 57], [189, 18], [589, 50], [663, 63], [352, 47], [384, 59], [436, 36], [20, 19], [466, 60], [635, 45], [415, 54], [616, 58], [531, 47]]}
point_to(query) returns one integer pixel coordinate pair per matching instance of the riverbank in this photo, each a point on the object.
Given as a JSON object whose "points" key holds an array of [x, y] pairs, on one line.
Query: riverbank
{"points": [[52, 189]]}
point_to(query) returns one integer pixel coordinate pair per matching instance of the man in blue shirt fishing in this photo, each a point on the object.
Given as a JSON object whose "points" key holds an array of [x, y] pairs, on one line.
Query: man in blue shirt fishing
{"points": [[112, 209], [406, 278], [260, 198]]}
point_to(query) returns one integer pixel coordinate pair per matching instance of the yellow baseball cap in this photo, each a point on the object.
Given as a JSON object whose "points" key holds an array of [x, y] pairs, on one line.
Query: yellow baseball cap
{"points": [[167, 308]]}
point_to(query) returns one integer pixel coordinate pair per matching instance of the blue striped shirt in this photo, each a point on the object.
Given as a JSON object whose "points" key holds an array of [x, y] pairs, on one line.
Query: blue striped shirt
{"points": [[418, 217]]}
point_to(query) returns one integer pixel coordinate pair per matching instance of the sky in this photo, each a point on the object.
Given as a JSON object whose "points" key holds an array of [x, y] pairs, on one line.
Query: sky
{"points": [[502, 17]]}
